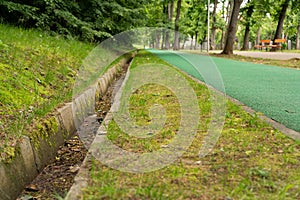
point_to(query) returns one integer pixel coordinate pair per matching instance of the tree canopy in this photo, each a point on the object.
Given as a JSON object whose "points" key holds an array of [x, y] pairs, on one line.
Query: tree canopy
{"points": [[90, 20], [94, 20]]}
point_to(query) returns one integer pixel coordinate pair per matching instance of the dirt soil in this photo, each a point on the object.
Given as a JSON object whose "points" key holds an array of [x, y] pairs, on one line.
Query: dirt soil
{"points": [[57, 178]]}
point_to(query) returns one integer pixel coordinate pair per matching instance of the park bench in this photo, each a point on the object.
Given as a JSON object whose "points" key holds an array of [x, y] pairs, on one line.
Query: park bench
{"points": [[277, 44], [264, 44]]}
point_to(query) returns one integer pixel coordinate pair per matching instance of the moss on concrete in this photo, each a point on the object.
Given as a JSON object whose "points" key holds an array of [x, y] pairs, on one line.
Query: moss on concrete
{"points": [[44, 129]]}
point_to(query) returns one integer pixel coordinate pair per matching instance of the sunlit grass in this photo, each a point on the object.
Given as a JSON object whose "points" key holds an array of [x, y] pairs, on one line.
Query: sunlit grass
{"points": [[251, 160], [37, 73]]}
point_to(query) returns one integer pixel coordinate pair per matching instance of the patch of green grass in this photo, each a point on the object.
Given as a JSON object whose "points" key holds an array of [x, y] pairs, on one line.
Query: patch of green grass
{"points": [[292, 51], [251, 160], [283, 50], [141, 101], [292, 63], [37, 73]]}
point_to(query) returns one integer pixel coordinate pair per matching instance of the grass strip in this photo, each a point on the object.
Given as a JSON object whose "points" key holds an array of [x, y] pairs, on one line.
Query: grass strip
{"points": [[251, 160]]}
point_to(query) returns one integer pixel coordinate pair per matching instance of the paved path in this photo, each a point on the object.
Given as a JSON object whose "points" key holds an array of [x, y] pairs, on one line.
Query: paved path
{"points": [[274, 91], [263, 54]]}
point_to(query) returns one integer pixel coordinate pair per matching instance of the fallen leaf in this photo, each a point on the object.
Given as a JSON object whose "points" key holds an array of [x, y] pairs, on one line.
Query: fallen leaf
{"points": [[74, 169], [32, 188]]}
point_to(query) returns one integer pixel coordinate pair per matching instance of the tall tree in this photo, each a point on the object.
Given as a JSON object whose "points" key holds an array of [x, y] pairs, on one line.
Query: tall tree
{"points": [[298, 37], [258, 34], [229, 11], [195, 24], [232, 28], [227, 18], [214, 26], [282, 16], [170, 17], [249, 9], [294, 14], [260, 18], [176, 38], [223, 28]]}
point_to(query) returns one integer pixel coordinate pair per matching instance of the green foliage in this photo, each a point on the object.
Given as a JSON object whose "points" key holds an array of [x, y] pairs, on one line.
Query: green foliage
{"points": [[196, 13], [17, 12], [89, 20], [96, 20], [156, 14]]}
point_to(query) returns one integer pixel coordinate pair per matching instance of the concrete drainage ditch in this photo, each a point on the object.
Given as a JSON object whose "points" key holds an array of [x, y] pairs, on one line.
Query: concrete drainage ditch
{"points": [[81, 179], [33, 156]]}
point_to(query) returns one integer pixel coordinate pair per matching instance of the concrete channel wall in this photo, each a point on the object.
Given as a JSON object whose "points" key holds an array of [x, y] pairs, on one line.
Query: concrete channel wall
{"points": [[33, 155]]}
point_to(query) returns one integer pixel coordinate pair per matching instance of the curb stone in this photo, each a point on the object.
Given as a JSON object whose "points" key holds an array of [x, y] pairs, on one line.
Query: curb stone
{"points": [[32, 156], [81, 180], [22, 170]]}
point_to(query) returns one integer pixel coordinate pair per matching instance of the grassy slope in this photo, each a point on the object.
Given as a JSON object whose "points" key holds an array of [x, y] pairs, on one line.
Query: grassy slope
{"points": [[250, 161], [37, 72]]}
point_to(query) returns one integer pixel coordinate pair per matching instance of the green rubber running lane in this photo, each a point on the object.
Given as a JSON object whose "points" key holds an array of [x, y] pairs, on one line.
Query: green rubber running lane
{"points": [[274, 91]]}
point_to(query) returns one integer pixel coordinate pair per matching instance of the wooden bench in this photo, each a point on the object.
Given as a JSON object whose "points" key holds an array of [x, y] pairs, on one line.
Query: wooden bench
{"points": [[277, 44], [264, 44]]}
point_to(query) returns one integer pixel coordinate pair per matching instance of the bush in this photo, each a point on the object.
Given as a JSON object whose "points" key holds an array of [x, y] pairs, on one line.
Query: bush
{"points": [[88, 20]]}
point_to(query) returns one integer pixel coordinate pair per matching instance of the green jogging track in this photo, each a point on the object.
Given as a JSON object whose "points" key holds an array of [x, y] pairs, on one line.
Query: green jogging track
{"points": [[271, 90]]}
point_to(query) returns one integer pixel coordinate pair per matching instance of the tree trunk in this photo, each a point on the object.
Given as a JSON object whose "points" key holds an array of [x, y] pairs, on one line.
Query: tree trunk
{"points": [[231, 5], [214, 28], [249, 13], [157, 39], [196, 38], [176, 39], [183, 45], [223, 31], [163, 38], [229, 11], [298, 38], [167, 40], [258, 36], [232, 28], [192, 42], [246, 38], [282, 16], [222, 39], [170, 17]]}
